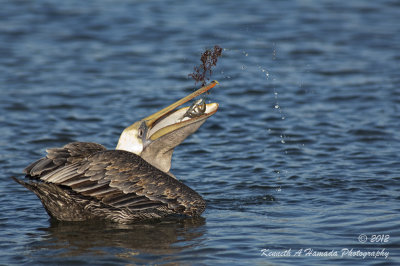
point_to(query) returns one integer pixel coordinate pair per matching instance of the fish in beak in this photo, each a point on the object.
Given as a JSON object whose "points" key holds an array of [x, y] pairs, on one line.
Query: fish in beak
{"points": [[155, 137]]}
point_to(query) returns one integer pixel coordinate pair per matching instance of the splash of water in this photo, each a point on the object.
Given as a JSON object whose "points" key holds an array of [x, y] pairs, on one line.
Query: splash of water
{"points": [[265, 74]]}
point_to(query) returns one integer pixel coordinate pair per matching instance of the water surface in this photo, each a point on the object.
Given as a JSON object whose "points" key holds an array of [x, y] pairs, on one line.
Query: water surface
{"points": [[302, 155]]}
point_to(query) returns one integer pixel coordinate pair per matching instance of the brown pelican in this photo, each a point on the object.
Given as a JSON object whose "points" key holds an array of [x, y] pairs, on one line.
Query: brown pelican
{"points": [[83, 181]]}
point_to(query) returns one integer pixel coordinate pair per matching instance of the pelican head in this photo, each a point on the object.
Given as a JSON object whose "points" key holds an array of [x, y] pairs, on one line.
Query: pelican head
{"points": [[155, 137]]}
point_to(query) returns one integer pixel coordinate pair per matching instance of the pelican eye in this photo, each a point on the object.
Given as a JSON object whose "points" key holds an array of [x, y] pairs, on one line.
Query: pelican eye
{"points": [[140, 132]]}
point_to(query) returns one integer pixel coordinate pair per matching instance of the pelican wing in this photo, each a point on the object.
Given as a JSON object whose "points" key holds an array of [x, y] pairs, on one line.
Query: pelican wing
{"points": [[122, 179], [59, 157]]}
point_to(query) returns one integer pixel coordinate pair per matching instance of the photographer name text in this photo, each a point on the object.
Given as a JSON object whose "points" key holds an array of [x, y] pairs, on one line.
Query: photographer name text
{"points": [[342, 253]]}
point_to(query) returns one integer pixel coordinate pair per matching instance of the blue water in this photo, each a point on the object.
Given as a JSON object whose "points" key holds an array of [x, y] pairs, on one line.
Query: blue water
{"points": [[303, 154]]}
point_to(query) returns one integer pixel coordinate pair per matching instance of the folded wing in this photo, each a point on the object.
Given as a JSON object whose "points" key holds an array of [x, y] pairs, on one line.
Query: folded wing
{"points": [[116, 179]]}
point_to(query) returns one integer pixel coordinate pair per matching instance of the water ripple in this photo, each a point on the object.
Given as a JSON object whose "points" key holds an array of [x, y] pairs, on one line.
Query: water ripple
{"points": [[303, 152]]}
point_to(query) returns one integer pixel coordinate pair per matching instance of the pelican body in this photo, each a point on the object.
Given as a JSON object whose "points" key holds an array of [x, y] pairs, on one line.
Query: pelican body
{"points": [[84, 181]]}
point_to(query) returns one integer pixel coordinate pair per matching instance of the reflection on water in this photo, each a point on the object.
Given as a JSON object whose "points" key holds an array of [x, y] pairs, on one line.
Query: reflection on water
{"points": [[66, 239]]}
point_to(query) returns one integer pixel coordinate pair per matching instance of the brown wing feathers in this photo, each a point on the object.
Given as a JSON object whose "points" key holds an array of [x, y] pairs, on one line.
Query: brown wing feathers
{"points": [[58, 157], [116, 178]]}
